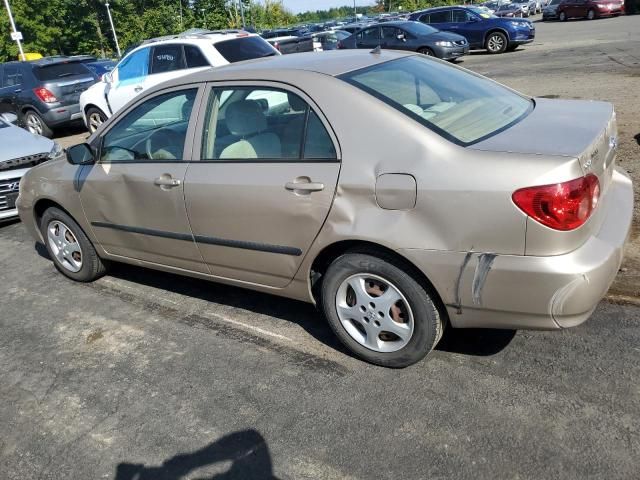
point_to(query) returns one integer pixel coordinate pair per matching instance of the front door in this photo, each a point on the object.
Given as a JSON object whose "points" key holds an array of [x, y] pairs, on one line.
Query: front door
{"points": [[265, 182], [368, 38], [133, 196], [128, 79]]}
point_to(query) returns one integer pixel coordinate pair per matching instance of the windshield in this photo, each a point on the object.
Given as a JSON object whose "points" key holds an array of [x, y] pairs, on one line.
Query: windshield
{"points": [[60, 70], [417, 28], [462, 107], [554, 2], [245, 48]]}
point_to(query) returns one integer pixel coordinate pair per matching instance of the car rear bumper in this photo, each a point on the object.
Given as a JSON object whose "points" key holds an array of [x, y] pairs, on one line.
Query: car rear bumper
{"points": [[533, 292], [61, 115]]}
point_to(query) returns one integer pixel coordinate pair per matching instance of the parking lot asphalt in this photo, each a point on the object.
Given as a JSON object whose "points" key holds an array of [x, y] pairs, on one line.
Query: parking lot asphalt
{"points": [[147, 375]]}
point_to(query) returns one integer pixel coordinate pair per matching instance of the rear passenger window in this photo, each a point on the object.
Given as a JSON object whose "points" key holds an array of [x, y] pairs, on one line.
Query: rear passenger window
{"points": [[263, 124], [441, 17], [167, 58], [194, 57], [11, 77]]}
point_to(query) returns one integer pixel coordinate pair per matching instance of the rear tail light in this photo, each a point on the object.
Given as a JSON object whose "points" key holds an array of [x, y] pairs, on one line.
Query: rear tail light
{"points": [[562, 206], [277, 46], [339, 46], [45, 95]]}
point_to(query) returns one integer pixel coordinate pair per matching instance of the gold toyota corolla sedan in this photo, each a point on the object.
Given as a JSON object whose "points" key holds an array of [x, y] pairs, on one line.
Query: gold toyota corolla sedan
{"points": [[400, 193]]}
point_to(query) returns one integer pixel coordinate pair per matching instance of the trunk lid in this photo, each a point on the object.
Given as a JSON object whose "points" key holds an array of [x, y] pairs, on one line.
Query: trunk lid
{"points": [[573, 132], [584, 130], [66, 80]]}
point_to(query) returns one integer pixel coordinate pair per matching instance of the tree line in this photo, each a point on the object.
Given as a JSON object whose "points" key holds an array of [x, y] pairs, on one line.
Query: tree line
{"points": [[69, 27]]}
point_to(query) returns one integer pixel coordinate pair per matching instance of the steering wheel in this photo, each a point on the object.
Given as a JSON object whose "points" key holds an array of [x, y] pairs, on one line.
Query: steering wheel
{"points": [[162, 144]]}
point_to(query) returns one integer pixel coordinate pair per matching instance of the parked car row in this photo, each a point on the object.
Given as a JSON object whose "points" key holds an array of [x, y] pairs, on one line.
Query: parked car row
{"points": [[564, 10]]}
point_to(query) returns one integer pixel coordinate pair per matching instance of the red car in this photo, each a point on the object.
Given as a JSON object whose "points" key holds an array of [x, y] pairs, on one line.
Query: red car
{"points": [[589, 9]]}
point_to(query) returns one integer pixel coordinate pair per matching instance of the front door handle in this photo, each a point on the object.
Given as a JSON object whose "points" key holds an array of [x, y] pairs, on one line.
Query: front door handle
{"points": [[137, 89], [165, 182], [304, 186]]}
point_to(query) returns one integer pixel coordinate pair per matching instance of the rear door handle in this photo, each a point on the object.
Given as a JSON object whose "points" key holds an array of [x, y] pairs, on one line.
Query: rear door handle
{"points": [[137, 89], [304, 187], [165, 182]]}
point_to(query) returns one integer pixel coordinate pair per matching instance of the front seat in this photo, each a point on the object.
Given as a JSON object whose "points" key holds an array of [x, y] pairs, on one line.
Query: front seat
{"points": [[245, 119]]}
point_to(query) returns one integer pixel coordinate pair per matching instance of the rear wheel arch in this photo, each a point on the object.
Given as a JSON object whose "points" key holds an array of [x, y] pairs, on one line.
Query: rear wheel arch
{"points": [[335, 250]]}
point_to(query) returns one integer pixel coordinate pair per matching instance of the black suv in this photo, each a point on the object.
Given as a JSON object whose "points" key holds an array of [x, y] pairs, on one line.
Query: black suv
{"points": [[44, 93]]}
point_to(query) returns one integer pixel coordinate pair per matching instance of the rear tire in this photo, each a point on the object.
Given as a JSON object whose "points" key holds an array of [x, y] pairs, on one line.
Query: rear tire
{"points": [[95, 118], [426, 51], [34, 123], [389, 318], [496, 43], [70, 249]]}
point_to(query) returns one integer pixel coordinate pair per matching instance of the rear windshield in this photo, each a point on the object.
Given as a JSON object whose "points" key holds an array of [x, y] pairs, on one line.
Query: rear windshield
{"points": [[245, 48], [459, 105], [60, 70]]}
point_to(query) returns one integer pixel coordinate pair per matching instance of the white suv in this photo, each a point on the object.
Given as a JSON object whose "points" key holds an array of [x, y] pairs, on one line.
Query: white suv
{"points": [[165, 58]]}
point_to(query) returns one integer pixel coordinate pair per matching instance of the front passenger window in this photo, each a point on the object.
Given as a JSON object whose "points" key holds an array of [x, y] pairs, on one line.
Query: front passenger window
{"points": [[155, 130]]}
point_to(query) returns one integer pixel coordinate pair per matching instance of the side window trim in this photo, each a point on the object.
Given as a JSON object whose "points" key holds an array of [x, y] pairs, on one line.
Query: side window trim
{"points": [[208, 90], [187, 153]]}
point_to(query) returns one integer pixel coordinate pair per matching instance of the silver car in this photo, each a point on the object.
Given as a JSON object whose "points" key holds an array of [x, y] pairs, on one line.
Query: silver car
{"points": [[20, 150], [397, 192]]}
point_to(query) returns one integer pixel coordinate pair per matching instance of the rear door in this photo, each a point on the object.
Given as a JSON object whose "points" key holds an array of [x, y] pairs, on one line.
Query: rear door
{"points": [[65, 80], [265, 182], [441, 20], [11, 86]]}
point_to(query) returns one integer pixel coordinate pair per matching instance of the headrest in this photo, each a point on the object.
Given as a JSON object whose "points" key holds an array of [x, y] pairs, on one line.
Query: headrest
{"points": [[296, 103], [245, 117]]}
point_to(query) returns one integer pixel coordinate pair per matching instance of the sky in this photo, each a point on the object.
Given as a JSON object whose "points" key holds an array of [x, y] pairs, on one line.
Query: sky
{"points": [[297, 6]]}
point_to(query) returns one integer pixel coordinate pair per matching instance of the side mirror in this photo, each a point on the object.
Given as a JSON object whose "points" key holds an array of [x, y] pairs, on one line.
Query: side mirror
{"points": [[80, 155], [474, 19], [401, 37], [10, 117], [106, 78]]}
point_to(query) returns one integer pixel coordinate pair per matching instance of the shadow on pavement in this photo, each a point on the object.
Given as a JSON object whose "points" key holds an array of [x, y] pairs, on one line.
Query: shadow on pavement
{"points": [[475, 341], [479, 342], [247, 451]]}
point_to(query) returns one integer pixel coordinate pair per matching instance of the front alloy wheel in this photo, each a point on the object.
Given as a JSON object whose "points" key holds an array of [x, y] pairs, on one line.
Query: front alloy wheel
{"points": [[591, 15], [64, 246], [95, 118], [496, 43]]}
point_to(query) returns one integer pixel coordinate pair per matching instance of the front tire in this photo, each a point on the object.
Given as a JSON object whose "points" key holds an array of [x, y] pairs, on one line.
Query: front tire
{"points": [[95, 118], [34, 123], [496, 42], [70, 249], [591, 14], [426, 51], [379, 311], [562, 17]]}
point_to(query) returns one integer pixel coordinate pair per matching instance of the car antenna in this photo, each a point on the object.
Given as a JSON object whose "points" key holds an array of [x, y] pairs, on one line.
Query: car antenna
{"points": [[376, 51]]}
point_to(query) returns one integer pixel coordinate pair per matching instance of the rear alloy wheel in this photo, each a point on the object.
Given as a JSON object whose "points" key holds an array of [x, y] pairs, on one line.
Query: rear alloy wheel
{"points": [[35, 124], [496, 42], [72, 252], [562, 17], [591, 14], [379, 311], [426, 51], [95, 118]]}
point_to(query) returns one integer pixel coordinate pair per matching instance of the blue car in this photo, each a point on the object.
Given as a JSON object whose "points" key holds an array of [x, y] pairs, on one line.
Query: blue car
{"points": [[482, 31]]}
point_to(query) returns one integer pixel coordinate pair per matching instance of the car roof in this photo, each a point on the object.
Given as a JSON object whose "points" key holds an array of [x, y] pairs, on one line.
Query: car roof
{"points": [[332, 63]]}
